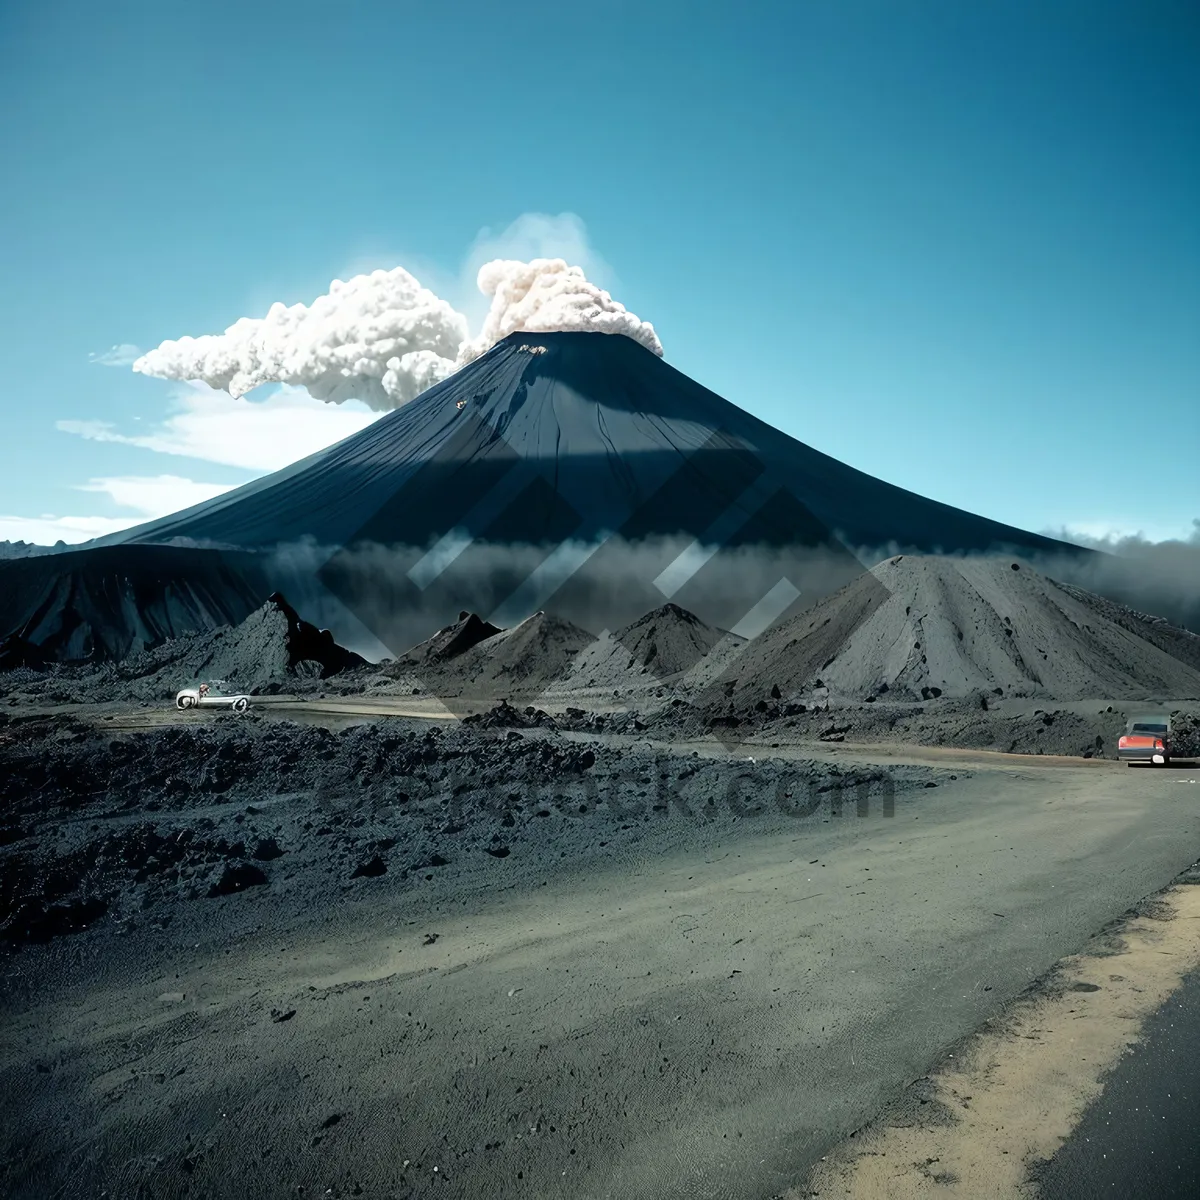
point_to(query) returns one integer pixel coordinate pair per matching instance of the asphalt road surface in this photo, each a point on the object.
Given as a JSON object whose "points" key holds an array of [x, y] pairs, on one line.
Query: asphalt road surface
{"points": [[1142, 1137]]}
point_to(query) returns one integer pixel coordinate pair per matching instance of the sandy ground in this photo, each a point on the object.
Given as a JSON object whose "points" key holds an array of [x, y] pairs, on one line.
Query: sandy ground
{"points": [[704, 1015]]}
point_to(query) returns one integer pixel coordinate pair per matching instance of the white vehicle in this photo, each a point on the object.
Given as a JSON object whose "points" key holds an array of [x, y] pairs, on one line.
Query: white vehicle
{"points": [[202, 697]]}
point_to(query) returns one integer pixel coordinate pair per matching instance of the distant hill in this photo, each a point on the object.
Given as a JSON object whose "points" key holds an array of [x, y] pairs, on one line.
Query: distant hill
{"points": [[516, 664], [667, 645], [29, 549], [272, 649]]}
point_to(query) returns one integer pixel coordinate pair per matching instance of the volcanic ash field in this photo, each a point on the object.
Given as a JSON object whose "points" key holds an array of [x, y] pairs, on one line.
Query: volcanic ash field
{"points": [[484, 744]]}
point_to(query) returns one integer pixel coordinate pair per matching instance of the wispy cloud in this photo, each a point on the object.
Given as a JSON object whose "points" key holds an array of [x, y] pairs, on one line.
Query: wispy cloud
{"points": [[145, 496], [154, 495], [256, 435], [1124, 533], [49, 530], [123, 355], [1159, 575]]}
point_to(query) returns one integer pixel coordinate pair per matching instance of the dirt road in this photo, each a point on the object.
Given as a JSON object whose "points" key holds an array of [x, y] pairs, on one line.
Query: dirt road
{"points": [[695, 1022]]}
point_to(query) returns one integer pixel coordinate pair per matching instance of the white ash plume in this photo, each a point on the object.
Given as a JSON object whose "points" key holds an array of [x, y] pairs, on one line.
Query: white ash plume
{"points": [[549, 296], [380, 338]]}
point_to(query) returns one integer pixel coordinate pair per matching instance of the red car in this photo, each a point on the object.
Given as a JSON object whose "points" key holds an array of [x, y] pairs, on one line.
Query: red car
{"points": [[1148, 739]]}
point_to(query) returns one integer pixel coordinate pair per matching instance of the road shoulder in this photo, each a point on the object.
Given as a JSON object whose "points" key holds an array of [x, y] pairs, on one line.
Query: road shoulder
{"points": [[1002, 1103]]}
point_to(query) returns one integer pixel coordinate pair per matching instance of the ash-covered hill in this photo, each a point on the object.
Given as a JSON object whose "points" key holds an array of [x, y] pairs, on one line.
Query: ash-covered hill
{"points": [[548, 655], [520, 662], [665, 646], [669, 640], [448, 643], [1179, 643], [923, 626], [270, 645]]}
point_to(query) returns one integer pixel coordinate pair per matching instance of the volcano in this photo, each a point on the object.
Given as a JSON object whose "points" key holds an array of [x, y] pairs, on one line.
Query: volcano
{"points": [[576, 473]]}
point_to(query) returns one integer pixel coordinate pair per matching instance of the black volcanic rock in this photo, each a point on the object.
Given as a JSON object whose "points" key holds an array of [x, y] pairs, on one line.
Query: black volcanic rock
{"points": [[371, 869], [16, 652], [236, 877]]}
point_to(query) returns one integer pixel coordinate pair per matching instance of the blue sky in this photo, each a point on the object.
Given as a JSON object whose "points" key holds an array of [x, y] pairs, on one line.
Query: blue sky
{"points": [[954, 245]]}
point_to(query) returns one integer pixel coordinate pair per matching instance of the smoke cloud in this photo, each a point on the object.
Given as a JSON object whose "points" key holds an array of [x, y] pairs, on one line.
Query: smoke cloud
{"points": [[380, 338], [549, 296], [383, 339], [1159, 578]]}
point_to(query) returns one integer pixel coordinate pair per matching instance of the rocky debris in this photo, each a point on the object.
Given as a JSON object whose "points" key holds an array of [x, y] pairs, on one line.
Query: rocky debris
{"points": [[111, 830], [236, 877], [60, 883], [371, 869], [1185, 735], [60, 775], [506, 716], [978, 720], [16, 652], [33, 920]]}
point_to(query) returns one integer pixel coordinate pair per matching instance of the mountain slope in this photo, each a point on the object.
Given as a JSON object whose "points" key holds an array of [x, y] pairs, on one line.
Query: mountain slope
{"points": [[606, 423]]}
